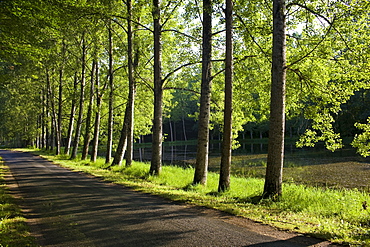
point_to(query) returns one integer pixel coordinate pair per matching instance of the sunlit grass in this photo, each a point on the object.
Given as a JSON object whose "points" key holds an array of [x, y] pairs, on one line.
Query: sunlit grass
{"points": [[13, 228], [334, 214]]}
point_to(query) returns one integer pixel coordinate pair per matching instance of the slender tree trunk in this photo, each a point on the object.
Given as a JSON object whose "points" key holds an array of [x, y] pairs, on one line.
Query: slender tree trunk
{"points": [[224, 183], [184, 128], [38, 137], [52, 133], [60, 103], [132, 66], [156, 161], [201, 165], [47, 118], [71, 117], [171, 130], [275, 156], [111, 88], [127, 124], [60, 113], [51, 109], [43, 120], [56, 135], [174, 131], [95, 142], [76, 139], [87, 135]]}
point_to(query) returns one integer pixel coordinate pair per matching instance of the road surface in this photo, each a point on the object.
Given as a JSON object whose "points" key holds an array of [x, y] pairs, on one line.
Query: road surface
{"points": [[66, 208]]}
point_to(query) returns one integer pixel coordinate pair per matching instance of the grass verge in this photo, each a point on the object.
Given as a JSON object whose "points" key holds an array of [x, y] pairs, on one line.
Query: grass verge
{"points": [[14, 230], [339, 215]]}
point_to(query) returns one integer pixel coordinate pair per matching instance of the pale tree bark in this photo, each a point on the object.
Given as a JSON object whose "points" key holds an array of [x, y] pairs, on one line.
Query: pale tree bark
{"points": [[184, 128], [108, 155], [95, 142], [132, 66], [43, 120], [275, 156], [201, 165], [60, 114], [76, 138], [87, 135], [60, 103], [127, 123], [156, 161], [71, 117], [224, 182], [50, 113]]}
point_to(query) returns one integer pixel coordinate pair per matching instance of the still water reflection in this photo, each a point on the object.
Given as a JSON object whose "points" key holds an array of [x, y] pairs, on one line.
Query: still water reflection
{"points": [[174, 153]]}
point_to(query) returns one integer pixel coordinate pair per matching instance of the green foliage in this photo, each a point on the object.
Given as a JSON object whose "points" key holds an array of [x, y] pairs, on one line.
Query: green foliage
{"points": [[361, 141], [327, 53]]}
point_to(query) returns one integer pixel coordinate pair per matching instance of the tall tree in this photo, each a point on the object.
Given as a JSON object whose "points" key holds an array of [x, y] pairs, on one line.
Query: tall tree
{"points": [[123, 141], [50, 106], [76, 138], [224, 183], [275, 156], [201, 165], [156, 161], [133, 62], [71, 116], [60, 114], [60, 99], [98, 96], [126, 139], [87, 134], [108, 154]]}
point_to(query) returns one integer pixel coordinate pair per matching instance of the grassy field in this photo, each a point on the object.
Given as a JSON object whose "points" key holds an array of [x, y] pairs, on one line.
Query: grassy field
{"points": [[13, 228], [336, 214]]}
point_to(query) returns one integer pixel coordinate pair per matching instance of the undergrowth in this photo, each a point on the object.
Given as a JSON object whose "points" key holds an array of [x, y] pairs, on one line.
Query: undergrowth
{"points": [[339, 215]]}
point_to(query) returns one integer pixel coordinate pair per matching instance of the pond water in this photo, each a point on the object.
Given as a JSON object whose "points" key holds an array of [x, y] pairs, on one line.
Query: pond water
{"points": [[313, 166], [175, 153]]}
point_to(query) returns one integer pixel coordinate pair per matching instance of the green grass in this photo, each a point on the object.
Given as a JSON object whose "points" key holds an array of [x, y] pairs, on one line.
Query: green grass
{"points": [[333, 214], [14, 230]]}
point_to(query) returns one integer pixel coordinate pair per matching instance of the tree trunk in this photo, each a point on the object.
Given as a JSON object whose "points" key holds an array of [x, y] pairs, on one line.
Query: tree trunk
{"points": [[275, 156], [43, 120], [52, 133], [60, 113], [76, 139], [201, 165], [87, 135], [127, 124], [71, 117], [171, 130], [51, 107], [184, 128], [224, 183], [108, 155], [156, 161], [95, 142], [132, 67]]}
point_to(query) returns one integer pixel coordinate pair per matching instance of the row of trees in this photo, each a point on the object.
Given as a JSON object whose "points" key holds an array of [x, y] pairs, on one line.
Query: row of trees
{"points": [[96, 75]]}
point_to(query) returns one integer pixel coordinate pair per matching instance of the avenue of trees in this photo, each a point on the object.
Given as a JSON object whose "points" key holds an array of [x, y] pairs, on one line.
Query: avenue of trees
{"points": [[96, 76]]}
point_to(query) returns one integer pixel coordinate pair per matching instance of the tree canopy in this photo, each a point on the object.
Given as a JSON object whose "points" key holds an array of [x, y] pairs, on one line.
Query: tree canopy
{"points": [[57, 56]]}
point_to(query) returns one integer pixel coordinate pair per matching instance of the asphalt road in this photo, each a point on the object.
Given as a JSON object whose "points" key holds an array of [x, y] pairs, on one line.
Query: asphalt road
{"points": [[66, 208]]}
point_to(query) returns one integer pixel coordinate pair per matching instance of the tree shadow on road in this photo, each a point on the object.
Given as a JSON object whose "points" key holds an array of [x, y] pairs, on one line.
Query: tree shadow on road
{"points": [[296, 241]]}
